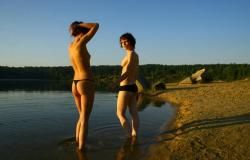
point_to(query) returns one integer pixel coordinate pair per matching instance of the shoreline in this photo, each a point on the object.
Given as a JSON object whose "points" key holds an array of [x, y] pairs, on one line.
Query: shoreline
{"points": [[212, 122]]}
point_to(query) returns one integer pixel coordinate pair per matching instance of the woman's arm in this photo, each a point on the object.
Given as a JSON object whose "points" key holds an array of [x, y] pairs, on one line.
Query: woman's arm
{"points": [[88, 25], [93, 27]]}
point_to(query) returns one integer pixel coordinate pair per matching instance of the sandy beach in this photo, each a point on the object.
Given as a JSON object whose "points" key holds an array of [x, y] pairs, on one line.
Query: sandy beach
{"points": [[212, 122]]}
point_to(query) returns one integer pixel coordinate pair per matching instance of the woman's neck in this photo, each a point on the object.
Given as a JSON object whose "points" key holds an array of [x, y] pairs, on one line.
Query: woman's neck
{"points": [[130, 51]]}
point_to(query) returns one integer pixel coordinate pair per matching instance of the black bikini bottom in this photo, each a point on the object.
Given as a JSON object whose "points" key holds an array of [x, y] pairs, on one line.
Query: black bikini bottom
{"points": [[76, 81], [129, 88]]}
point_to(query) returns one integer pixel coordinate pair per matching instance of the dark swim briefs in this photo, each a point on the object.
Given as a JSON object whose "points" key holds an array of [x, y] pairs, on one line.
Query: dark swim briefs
{"points": [[129, 88], [76, 81]]}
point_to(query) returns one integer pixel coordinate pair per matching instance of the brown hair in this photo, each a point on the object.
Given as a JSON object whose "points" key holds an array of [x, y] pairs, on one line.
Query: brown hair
{"points": [[129, 37], [76, 29]]}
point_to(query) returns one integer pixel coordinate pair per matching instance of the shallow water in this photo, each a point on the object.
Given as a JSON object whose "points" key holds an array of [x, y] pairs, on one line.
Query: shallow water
{"points": [[41, 124]]}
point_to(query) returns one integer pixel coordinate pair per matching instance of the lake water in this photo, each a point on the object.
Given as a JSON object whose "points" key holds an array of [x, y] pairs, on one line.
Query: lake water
{"points": [[41, 125]]}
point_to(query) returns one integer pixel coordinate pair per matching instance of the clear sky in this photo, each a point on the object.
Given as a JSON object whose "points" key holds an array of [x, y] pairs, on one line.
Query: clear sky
{"points": [[35, 32]]}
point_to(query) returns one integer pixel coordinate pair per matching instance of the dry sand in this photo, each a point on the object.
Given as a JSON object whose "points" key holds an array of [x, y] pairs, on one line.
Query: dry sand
{"points": [[212, 122]]}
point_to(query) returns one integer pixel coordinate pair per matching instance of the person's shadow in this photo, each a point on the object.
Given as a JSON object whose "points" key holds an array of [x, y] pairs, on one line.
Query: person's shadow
{"points": [[129, 150], [204, 124]]}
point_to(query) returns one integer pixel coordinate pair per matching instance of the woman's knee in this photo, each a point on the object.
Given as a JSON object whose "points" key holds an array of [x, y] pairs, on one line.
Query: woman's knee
{"points": [[83, 117], [120, 114], [83, 122]]}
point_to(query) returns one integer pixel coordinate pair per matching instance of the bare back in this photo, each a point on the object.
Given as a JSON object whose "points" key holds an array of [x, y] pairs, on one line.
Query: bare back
{"points": [[78, 53], [80, 60]]}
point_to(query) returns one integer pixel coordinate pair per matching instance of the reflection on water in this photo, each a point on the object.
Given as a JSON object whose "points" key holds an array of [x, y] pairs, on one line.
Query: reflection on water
{"points": [[143, 101], [41, 124], [81, 155], [34, 85], [129, 150]]}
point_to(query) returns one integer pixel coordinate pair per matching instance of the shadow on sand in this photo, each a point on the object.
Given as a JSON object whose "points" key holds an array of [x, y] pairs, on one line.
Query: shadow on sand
{"points": [[204, 124]]}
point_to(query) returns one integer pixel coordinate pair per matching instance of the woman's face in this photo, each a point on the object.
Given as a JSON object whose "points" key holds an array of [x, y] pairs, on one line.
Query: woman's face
{"points": [[126, 44]]}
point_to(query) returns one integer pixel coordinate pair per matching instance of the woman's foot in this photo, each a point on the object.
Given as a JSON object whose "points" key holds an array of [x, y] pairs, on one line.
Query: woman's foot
{"points": [[81, 148], [134, 133]]}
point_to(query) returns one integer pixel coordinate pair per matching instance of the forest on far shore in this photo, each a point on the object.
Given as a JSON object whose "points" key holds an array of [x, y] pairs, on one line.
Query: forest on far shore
{"points": [[106, 75]]}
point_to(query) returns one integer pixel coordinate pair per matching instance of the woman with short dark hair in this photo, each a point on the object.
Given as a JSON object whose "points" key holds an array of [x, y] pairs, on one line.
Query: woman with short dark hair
{"points": [[127, 96]]}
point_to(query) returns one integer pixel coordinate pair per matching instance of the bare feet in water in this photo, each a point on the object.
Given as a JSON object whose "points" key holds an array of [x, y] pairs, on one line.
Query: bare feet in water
{"points": [[81, 155]]}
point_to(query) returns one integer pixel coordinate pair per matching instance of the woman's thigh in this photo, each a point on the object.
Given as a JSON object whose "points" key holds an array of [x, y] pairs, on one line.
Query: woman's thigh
{"points": [[86, 90], [77, 97], [133, 103], [123, 100]]}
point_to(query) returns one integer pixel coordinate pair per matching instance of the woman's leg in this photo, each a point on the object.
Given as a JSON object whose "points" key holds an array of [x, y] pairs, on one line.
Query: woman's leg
{"points": [[134, 114], [77, 98], [122, 103], [87, 92]]}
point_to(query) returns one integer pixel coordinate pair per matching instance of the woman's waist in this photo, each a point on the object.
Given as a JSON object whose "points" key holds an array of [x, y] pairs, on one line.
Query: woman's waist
{"points": [[83, 75], [126, 82]]}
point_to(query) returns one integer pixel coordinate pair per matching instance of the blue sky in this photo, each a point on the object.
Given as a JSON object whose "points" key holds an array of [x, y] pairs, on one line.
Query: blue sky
{"points": [[173, 32]]}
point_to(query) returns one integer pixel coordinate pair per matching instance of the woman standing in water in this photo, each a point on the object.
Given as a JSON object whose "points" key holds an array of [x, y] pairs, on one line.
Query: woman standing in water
{"points": [[83, 86], [127, 96]]}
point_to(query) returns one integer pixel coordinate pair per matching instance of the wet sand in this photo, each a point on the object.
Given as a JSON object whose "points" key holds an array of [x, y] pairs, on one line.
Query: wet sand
{"points": [[212, 122]]}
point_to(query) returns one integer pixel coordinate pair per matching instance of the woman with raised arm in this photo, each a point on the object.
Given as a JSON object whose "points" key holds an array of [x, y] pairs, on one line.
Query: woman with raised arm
{"points": [[83, 86], [127, 96]]}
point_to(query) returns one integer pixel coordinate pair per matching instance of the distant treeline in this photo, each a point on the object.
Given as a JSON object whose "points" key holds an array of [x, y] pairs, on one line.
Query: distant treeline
{"points": [[154, 73]]}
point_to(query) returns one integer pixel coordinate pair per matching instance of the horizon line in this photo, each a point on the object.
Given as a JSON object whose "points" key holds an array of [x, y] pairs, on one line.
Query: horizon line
{"points": [[139, 65]]}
